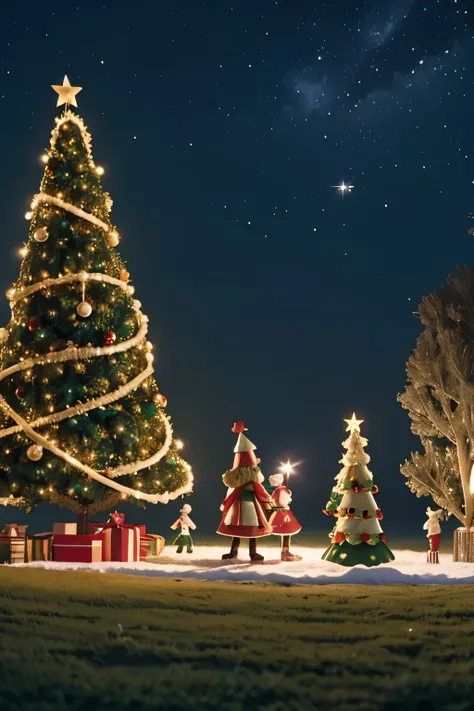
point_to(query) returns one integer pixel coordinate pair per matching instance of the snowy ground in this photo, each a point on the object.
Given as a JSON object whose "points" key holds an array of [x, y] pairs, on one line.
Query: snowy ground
{"points": [[205, 564]]}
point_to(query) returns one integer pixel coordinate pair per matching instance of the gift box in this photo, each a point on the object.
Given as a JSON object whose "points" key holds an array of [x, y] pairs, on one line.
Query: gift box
{"points": [[151, 546], [120, 542], [65, 529], [13, 530], [12, 543], [12, 549], [78, 549], [39, 546]]}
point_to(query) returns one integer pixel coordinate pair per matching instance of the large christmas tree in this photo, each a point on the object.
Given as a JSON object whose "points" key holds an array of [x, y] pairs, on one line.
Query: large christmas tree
{"points": [[82, 421], [357, 536]]}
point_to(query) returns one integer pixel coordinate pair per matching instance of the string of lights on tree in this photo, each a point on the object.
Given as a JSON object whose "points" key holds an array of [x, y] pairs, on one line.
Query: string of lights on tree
{"points": [[76, 367]]}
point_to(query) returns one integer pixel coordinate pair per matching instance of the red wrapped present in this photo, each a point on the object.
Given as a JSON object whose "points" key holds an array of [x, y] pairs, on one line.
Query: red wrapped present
{"points": [[78, 549], [120, 541]]}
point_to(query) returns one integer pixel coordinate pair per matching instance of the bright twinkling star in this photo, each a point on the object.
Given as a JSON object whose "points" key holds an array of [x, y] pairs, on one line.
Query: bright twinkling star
{"points": [[343, 188]]}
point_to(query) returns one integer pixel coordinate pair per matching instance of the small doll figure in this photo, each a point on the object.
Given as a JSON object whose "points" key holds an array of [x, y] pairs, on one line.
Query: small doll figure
{"points": [[184, 523], [283, 522], [432, 525]]}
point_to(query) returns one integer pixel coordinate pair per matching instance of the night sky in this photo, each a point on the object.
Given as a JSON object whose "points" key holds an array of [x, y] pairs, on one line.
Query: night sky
{"points": [[223, 128]]}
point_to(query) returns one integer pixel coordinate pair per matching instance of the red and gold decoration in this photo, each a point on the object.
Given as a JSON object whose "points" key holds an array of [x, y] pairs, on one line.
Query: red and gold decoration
{"points": [[109, 338], [159, 399]]}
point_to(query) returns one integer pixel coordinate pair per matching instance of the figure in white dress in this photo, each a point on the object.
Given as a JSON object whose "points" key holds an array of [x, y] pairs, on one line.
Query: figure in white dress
{"points": [[184, 523]]}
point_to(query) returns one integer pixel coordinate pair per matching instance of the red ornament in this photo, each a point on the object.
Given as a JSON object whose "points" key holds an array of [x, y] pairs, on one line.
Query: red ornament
{"points": [[356, 489], [375, 489], [19, 391], [339, 537], [383, 538], [350, 515], [379, 514], [109, 338], [159, 399], [365, 514], [33, 324], [364, 537], [326, 512]]}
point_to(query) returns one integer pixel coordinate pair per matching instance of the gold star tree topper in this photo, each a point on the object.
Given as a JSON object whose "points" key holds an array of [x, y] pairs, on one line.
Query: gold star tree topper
{"points": [[353, 424], [66, 92]]}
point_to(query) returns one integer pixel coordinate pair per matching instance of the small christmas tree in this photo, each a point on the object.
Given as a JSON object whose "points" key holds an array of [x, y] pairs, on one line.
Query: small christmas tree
{"points": [[82, 420], [357, 537]]}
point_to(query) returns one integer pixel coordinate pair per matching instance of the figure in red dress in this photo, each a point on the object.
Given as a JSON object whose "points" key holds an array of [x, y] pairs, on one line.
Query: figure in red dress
{"points": [[246, 507], [433, 527], [283, 522]]}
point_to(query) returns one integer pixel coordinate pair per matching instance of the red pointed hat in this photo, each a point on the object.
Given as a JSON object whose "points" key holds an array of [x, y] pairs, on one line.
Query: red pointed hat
{"points": [[244, 449]]}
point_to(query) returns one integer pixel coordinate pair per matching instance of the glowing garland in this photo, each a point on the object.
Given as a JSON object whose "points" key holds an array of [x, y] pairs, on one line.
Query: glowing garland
{"points": [[81, 409], [84, 354], [80, 353], [51, 199], [46, 444], [15, 295]]}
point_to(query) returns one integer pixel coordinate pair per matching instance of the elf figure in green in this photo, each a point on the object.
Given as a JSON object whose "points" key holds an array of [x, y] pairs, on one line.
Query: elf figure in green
{"points": [[184, 523]]}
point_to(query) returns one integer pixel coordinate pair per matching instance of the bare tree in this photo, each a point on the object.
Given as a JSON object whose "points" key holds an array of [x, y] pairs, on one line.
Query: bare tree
{"points": [[439, 397]]}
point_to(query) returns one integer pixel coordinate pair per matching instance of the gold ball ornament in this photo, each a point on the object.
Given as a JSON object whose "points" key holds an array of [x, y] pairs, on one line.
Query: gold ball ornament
{"points": [[112, 238], [34, 452], [41, 234], [124, 275], [84, 309]]}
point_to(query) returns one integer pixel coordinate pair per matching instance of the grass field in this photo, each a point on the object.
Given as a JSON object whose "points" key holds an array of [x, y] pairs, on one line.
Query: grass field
{"points": [[90, 642]]}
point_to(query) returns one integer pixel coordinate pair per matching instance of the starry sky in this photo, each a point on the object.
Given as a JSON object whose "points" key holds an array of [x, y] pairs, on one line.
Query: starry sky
{"points": [[223, 127]]}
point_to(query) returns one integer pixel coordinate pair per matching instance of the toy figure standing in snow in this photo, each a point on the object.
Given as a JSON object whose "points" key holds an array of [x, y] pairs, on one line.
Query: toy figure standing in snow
{"points": [[357, 537], [184, 523], [283, 522], [244, 510], [433, 527]]}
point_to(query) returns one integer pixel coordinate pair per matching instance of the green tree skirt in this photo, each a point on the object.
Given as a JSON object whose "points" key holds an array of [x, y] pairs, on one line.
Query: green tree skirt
{"points": [[361, 554]]}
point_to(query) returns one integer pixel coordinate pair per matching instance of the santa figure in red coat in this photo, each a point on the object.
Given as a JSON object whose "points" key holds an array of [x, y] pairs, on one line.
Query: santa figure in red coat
{"points": [[246, 507], [283, 522]]}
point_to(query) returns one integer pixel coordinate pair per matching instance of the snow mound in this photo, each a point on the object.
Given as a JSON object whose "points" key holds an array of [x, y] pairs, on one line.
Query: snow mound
{"points": [[205, 564]]}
